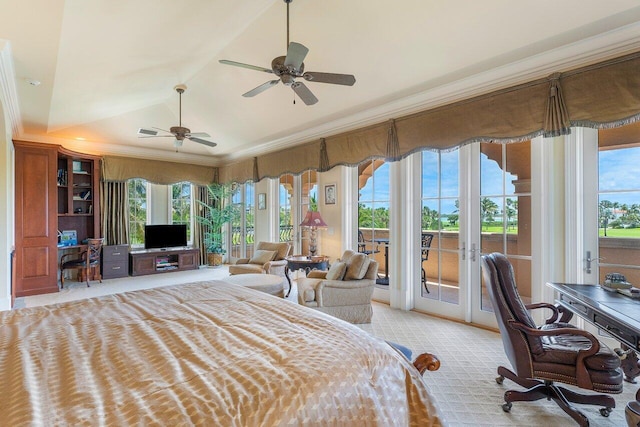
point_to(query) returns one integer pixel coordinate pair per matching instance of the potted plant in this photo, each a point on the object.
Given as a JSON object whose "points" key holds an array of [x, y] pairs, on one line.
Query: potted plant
{"points": [[213, 215]]}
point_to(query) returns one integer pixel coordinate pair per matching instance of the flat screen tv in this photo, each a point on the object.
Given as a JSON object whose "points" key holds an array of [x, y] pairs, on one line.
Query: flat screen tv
{"points": [[165, 236]]}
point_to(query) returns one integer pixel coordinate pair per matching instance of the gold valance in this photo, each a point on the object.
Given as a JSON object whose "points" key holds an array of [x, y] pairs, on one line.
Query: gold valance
{"points": [[606, 94], [156, 171]]}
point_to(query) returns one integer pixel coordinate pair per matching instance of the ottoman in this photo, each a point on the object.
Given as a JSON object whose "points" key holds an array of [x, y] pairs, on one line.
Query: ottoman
{"points": [[269, 283]]}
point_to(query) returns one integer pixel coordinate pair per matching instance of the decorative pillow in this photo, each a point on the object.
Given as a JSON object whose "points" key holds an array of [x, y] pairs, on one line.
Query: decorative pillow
{"points": [[346, 256], [261, 256], [337, 270], [357, 267]]}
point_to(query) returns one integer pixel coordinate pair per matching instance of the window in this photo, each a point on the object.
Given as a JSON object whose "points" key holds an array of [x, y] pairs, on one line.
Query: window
{"points": [[440, 226], [181, 206], [373, 212], [285, 190], [137, 210], [243, 223]]}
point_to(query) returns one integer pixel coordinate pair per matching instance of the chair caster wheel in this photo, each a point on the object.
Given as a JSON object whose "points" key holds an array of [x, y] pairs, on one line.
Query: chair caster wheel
{"points": [[506, 407], [500, 379], [605, 411]]}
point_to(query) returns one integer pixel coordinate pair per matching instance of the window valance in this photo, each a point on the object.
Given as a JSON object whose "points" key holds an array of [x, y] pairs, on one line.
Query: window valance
{"points": [[602, 95], [159, 172]]}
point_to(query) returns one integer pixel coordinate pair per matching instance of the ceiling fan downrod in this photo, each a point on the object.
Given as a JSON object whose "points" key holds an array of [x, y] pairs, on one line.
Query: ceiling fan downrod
{"points": [[287, 2]]}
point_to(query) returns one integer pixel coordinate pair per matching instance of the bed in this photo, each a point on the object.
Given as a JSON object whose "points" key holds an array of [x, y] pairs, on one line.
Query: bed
{"points": [[204, 353]]}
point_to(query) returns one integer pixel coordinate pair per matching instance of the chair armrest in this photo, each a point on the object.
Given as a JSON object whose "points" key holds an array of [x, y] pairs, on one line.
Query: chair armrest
{"points": [[554, 310], [317, 274], [582, 376], [76, 255], [242, 261], [426, 362], [275, 267]]}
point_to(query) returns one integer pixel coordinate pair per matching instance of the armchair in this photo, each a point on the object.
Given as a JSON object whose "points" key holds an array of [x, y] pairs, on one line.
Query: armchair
{"points": [[344, 291], [555, 351], [268, 258]]}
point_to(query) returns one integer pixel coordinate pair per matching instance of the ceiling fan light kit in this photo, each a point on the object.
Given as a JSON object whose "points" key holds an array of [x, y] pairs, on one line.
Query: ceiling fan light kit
{"points": [[180, 133], [290, 67]]}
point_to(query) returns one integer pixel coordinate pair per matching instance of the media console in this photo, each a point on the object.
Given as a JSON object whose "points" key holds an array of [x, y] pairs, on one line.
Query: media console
{"points": [[153, 261]]}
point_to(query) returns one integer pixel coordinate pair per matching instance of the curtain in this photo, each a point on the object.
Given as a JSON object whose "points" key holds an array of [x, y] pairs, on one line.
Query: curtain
{"points": [[155, 171], [202, 195], [602, 95], [114, 201]]}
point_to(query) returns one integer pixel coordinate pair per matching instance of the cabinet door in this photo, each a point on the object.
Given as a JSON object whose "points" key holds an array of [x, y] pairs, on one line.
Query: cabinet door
{"points": [[188, 261], [36, 220]]}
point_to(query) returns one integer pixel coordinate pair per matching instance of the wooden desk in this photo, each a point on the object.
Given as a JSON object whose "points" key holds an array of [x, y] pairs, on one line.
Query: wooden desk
{"points": [[618, 315]]}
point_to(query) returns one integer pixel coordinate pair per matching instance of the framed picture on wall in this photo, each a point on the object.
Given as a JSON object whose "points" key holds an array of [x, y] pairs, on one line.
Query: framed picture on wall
{"points": [[330, 194], [262, 201]]}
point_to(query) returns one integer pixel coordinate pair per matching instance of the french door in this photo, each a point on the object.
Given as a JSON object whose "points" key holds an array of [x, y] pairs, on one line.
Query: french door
{"points": [[475, 200]]}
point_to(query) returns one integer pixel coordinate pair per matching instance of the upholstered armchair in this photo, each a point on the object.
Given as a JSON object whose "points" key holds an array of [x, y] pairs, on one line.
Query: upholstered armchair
{"points": [[268, 258], [554, 351], [344, 291]]}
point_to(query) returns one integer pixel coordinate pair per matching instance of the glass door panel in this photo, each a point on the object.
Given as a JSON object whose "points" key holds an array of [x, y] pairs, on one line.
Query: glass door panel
{"points": [[440, 217], [505, 213]]}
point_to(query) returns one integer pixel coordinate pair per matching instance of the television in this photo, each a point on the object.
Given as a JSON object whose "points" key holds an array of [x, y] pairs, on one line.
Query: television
{"points": [[165, 236]]}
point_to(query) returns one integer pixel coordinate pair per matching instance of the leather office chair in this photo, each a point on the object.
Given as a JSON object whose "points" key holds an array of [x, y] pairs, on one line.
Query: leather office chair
{"points": [[88, 260], [362, 245], [426, 240], [555, 351]]}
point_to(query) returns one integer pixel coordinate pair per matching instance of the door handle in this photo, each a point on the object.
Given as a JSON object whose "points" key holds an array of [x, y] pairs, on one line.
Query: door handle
{"points": [[589, 260]]}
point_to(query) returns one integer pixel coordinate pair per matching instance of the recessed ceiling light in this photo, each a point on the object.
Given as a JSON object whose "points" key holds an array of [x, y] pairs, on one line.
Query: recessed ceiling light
{"points": [[79, 138], [33, 82]]}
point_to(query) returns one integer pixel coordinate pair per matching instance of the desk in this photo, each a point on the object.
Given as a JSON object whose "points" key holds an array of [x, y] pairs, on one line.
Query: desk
{"points": [[301, 262], [384, 280], [614, 313]]}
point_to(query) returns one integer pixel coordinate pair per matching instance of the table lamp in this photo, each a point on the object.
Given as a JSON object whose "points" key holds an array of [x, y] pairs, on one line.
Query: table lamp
{"points": [[313, 220]]}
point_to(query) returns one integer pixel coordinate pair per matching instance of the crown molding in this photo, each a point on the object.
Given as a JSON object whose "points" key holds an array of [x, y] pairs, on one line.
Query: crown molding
{"points": [[107, 149], [608, 45], [8, 91]]}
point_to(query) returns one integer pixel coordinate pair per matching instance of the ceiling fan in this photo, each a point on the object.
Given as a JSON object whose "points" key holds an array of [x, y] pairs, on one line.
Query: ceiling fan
{"points": [[290, 67], [178, 132]]}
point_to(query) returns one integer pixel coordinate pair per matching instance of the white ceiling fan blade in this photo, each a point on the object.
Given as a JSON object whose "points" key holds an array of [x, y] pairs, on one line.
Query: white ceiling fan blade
{"points": [[157, 136], [304, 93], [202, 141], [260, 89], [251, 67], [147, 132], [336, 79], [295, 55], [199, 134]]}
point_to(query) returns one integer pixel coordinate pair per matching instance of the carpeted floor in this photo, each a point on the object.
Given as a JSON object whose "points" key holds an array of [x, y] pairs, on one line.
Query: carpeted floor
{"points": [[464, 388]]}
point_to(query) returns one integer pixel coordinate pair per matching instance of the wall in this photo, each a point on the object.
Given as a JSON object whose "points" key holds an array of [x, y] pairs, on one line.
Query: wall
{"points": [[6, 209], [330, 239]]}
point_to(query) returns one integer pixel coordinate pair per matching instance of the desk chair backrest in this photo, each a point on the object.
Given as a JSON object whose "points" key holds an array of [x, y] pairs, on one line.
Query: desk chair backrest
{"points": [[499, 279], [94, 248]]}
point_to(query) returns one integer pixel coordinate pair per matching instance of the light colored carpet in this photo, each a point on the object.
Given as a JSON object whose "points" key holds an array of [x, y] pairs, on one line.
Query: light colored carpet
{"points": [[464, 388]]}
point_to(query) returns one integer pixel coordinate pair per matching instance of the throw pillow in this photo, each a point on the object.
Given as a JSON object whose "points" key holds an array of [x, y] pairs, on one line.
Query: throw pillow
{"points": [[261, 256], [337, 270], [346, 256], [357, 268]]}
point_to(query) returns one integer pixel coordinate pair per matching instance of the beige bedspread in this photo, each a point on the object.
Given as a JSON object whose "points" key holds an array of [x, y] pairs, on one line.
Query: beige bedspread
{"points": [[206, 353]]}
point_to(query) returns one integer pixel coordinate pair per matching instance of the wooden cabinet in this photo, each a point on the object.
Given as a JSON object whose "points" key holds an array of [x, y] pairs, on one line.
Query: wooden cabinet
{"points": [[115, 261], [46, 201], [153, 261], [36, 220]]}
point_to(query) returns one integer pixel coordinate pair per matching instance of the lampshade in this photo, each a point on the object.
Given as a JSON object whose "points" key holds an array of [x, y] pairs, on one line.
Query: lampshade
{"points": [[313, 219]]}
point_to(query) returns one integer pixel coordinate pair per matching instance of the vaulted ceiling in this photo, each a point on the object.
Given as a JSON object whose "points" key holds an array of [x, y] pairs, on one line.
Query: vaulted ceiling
{"points": [[108, 67]]}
